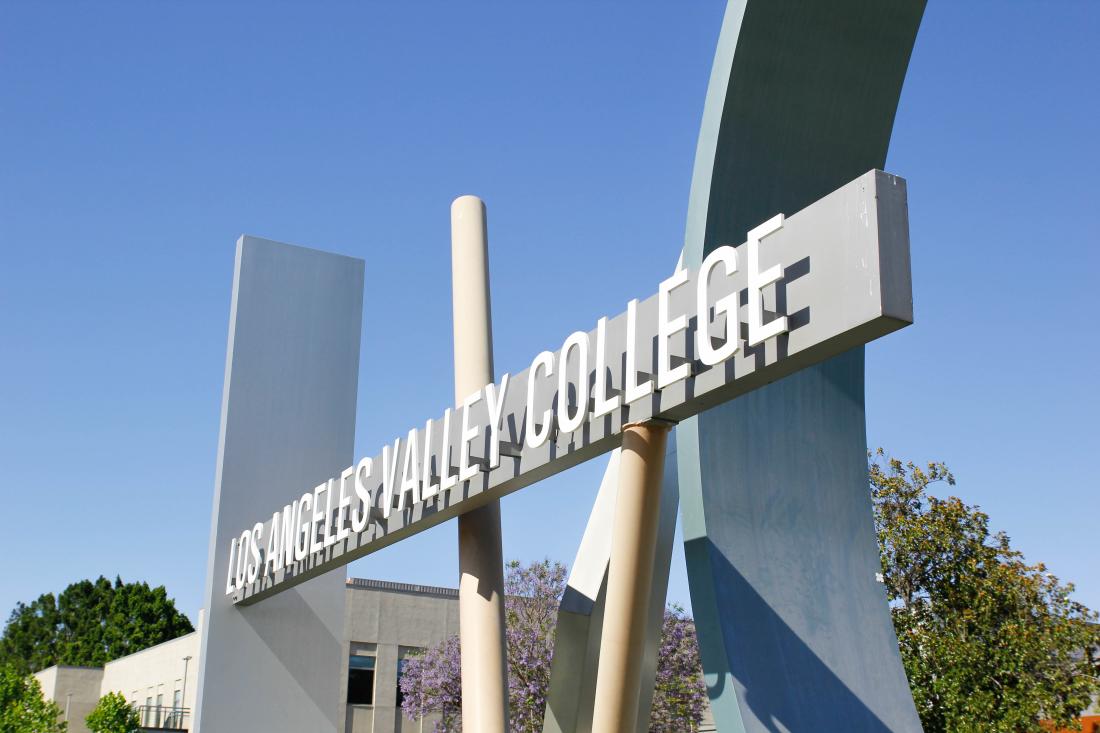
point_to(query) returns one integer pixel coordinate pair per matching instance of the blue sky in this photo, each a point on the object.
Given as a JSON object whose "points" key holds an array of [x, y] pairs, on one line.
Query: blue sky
{"points": [[138, 140]]}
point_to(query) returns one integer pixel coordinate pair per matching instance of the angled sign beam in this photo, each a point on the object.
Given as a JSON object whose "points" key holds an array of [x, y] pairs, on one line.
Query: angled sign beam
{"points": [[813, 285]]}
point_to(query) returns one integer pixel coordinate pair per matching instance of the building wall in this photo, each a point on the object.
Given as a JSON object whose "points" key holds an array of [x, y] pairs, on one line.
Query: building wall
{"points": [[392, 620], [383, 620], [158, 671], [139, 676], [76, 690]]}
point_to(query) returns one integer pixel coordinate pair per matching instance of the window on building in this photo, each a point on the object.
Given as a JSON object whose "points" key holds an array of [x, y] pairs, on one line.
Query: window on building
{"points": [[400, 673], [160, 708], [361, 679], [175, 717], [403, 657], [147, 719]]}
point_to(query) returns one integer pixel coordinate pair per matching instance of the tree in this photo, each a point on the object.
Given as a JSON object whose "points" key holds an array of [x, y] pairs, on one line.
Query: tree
{"points": [[112, 714], [531, 598], [89, 624], [679, 695], [431, 682], [22, 707], [989, 642]]}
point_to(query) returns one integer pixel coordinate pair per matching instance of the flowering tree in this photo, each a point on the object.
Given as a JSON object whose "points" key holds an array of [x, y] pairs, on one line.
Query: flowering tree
{"points": [[532, 596], [431, 683], [679, 696]]}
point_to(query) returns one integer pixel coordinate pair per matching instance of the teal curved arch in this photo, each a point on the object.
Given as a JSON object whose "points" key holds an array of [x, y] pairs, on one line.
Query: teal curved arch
{"points": [[794, 628]]}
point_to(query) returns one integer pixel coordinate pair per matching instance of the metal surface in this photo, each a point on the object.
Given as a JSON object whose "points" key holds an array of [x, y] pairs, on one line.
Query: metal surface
{"points": [[576, 658], [630, 577], [845, 283], [288, 421], [572, 691], [794, 631], [480, 553]]}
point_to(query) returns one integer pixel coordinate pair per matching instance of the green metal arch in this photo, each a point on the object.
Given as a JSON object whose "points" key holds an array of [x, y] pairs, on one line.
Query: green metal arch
{"points": [[794, 628]]}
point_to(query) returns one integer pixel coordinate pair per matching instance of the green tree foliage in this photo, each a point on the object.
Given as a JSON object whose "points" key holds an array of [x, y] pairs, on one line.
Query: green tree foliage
{"points": [[113, 715], [22, 707], [989, 642], [90, 623]]}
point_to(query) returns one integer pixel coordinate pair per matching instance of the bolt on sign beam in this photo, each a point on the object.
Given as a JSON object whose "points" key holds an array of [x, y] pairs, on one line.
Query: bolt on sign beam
{"points": [[287, 421], [480, 554], [794, 630], [800, 290]]}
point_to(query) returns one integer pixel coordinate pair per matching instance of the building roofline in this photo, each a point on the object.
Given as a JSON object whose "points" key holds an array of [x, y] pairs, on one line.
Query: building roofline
{"points": [[389, 585], [151, 648]]}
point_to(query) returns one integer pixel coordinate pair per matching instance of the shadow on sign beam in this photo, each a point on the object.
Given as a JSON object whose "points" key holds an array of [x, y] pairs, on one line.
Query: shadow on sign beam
{"points": [[289, 626]]}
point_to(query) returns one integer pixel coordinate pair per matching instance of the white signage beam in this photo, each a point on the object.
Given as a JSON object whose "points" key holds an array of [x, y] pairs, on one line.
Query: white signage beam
{"points": [[801, 289]]}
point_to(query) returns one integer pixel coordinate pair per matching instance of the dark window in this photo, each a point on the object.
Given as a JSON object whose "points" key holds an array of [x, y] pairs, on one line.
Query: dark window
{"points": [[400, 673], [360, 680]]}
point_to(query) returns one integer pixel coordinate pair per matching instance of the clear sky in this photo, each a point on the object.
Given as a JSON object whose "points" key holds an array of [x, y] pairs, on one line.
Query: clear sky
{"points": [[138, 140]]}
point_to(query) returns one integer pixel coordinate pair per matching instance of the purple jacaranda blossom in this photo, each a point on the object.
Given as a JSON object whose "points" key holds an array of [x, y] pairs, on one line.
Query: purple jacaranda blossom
{"points": [[679, 695], [431, 683], [532, 596]]}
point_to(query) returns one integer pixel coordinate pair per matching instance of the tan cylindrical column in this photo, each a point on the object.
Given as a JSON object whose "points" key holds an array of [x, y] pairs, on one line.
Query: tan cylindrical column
{"points": [[629, 578], [480, 556]]}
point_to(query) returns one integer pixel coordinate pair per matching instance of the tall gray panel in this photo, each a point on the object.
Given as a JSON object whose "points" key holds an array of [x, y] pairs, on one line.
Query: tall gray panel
{"points": [[287, 424], [794, 630]]}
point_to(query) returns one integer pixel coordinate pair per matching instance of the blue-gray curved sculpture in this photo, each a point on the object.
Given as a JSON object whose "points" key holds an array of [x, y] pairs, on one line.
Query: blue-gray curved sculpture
{"points": [[794, 627]]}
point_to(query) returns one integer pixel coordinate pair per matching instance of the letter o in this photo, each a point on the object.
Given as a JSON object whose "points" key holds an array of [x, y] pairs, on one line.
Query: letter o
{"points": [[578, 341], [243, 556], [535, 437]]}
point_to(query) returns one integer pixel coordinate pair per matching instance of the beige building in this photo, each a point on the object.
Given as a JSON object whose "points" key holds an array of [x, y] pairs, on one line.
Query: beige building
{"points": [[160, 681], [75, 689], [383, 623]]}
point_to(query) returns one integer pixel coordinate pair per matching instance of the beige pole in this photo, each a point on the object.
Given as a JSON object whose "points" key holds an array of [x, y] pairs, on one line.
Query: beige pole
{"points": [[629, 577], [480, 557]]}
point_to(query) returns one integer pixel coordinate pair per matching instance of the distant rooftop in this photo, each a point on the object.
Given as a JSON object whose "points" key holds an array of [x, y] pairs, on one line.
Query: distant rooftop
{"points": [[425, 590]]}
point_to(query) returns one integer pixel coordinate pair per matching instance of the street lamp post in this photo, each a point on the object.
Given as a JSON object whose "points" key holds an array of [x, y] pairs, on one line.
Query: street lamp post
{"points": [[183, 689]]}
